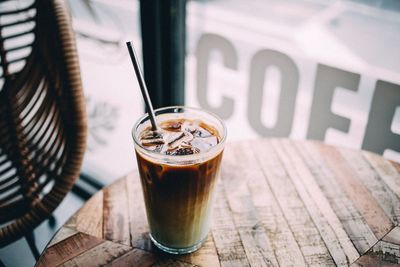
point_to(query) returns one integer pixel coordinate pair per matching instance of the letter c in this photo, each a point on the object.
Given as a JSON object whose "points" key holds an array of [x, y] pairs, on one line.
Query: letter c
{"points": [[207, 43]]}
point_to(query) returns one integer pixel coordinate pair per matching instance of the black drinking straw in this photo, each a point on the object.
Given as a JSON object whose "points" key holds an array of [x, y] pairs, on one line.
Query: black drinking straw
{"points": [[142, 85]]}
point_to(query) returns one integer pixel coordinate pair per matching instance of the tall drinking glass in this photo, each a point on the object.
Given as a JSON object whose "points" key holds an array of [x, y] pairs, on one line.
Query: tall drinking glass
{"points": [[179, 189]]}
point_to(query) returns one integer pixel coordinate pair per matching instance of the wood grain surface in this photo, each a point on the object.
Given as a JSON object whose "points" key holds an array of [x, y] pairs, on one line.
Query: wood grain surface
{"points": [[279, 203]]}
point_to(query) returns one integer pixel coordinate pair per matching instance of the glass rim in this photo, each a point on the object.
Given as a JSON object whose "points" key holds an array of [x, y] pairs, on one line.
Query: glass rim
{"points": [[185, 158]]}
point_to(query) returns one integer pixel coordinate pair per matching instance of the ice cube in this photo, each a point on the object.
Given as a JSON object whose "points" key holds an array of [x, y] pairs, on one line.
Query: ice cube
{"points": [[182, 137], [173, 137], [174, 126], [184, 151], [152, 142], [150, 134]]}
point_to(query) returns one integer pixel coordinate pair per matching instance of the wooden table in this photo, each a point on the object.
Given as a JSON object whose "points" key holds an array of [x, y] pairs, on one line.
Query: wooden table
{"points": [[279, 202]]}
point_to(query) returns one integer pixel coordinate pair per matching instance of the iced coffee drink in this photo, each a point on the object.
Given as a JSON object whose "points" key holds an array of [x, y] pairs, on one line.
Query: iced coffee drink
{"points": [[179, 167]]}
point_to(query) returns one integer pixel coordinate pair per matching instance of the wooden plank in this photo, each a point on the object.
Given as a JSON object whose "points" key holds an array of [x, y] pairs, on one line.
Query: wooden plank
{"points": [[396, 165], [89, 219], [353, 223], [68, 249], [273, 220], [206, 256], [384, 253], [385, 197], [172, 263], [139, 229], [329, 226], [135, 257], [372, 261], [386, 170], [393, 236], [115, 213], [264, 220], [295, 215], [99, 255], [269, 226], [312, 247], [71, 222], [226, 238], [236, 178], [142, 258], [61, 234], [372, 213]]}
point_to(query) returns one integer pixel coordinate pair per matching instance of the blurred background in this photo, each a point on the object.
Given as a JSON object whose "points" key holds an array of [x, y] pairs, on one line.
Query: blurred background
{"points": [[228, 47], [325, 70]]}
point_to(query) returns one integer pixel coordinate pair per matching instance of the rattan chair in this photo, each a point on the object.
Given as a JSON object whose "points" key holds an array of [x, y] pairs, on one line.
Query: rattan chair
{"points": [[42, 113]]}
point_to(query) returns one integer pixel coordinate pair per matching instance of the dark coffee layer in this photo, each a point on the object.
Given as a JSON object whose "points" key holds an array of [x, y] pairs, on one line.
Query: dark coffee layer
{"points": [[178, 197], [178, 200], [180, 137]]}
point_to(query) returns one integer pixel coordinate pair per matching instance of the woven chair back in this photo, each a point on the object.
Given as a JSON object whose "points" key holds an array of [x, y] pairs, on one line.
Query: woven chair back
{"points": [[42, 113]]}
